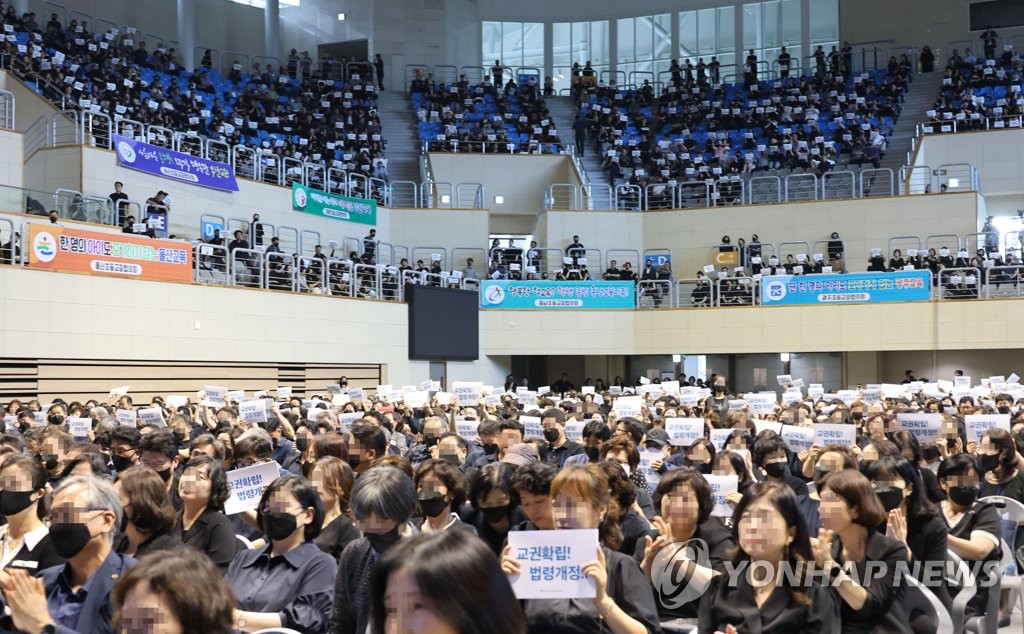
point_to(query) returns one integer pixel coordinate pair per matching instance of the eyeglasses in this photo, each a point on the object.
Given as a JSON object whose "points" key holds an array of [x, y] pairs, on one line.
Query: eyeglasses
{"points": [[71, 515]]}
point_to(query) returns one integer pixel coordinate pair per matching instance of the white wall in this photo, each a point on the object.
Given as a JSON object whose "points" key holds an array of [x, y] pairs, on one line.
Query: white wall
{"points": [[998, 155], [604, 230], [520, 180], [455, 230]]}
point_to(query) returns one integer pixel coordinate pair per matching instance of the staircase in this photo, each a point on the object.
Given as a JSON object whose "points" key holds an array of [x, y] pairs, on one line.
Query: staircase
{"points": [[398, 125], [563, 113]]}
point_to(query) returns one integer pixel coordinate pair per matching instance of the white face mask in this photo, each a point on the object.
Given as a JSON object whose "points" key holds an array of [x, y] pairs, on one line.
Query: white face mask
{"points": [[625, 468]]}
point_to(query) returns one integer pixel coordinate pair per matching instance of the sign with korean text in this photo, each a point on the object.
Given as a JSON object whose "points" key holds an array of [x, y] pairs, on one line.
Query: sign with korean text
{"points": [[826, 434], [551, 563], [246, 486], [59, 248], [172, 165], [721, 486], [851, 288], [682, 432], [327, 205], [507, 294], [978, 424], [925, 427]]}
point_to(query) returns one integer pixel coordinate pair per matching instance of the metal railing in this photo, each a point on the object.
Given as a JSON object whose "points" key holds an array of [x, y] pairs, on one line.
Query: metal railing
{"points": [[962, 283]]}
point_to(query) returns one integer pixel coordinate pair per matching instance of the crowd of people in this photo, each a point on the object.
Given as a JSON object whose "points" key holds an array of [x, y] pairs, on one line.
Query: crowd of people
{"points": [[295, 115], [698, 129], [389, 509], [492, 116]]}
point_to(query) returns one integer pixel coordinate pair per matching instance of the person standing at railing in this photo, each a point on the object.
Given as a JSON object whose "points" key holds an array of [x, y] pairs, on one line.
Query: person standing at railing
{"points": [[988, 38], [116, 201]]}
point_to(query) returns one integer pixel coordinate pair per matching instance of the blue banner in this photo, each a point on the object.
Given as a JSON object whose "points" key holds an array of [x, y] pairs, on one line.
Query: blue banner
{"points": [[508, 294], [176, 166], [849, 288]]}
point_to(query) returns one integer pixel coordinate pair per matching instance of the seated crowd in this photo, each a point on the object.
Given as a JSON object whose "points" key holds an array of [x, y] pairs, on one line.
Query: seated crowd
{"points": [[979, 93], [331, 122], [700, 130], [490, 116], [387, 511]]}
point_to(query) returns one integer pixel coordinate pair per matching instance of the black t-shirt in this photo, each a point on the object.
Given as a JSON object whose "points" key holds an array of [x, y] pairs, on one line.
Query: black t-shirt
{"points": [[336, 536]]}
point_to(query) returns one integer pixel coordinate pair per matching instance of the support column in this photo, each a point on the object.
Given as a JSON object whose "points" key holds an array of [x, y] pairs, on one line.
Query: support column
{"points": [[187, 33], [272, 30], [613, 46], [549, 53]]}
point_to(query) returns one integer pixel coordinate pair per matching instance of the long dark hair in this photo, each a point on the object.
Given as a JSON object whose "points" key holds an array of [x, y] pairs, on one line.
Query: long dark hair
{"points": [[918, 504], [449, 567], [798, 553]]}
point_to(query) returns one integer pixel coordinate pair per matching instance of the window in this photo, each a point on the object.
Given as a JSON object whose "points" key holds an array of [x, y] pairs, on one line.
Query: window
{"points": [[577, 42], [644, 47], [516, 44], [262, 3], [708, 33]]}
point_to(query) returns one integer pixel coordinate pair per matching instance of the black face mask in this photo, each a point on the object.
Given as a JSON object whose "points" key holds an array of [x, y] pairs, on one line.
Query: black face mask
{"points": [[490, 448], [380, 542], [302, 443], [495, 514], [432, 504], [165, 474], [120, 462], [593, 453], [819, 474], [551, 434], [776, 469], [450, 458], [279, 525], [930, 453], [69, 539], [14, 502], [49, 461], [354, 461], [179, 437], [55, 419], [857, 415], [890, 497], [429, 441], [719, 389], [960, 495], [1005, 409], [701, 467], [988, 462], [307, 469]]}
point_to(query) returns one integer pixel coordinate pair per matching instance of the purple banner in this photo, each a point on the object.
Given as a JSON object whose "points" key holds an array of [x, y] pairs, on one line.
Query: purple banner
{"points": [[176, 166]]}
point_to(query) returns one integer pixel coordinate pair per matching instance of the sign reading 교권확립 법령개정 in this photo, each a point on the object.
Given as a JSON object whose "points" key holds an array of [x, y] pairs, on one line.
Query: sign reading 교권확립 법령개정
{"points": [[849, 288], [327, 205], [508, 294]]}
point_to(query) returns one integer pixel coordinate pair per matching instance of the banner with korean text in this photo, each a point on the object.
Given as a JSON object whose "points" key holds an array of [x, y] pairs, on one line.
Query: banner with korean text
{"points": [[60, 248], [850, 288], [509, 294], [334, 206], [176, 166]]}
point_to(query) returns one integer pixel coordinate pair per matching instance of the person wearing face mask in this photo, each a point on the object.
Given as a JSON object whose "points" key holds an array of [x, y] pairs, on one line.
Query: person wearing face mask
{"points": [[201, 523], [999, 463], [820, 462], [699, 456], [57, 415], [289, 583], [684, 503], [25, 541], [54, 444], [910, 448], [383, 500], [333, 480], [148, 516], [284, 449], [83, 520], [303, 462], [492, 508], [158, 451], [974, 526], [124, 447], [423, 450], [914, 521], [771, 456], [453, 449], [559, 447], [719, 399], [440, 487], [532, 484], [366, 443], [622, 450], [594, 434]]}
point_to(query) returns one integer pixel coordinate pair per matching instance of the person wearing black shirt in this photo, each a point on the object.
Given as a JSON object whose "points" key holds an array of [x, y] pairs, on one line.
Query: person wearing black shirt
{"points": [[783, 60], [25, 541], [115, 201], [579, 127], [612, 272], [559, 447], [576, 249], [626, 273], [563, 384], [370, 243]]}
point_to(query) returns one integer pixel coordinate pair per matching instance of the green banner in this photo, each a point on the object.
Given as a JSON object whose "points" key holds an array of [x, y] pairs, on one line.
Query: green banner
{"points": [[321, 203]]}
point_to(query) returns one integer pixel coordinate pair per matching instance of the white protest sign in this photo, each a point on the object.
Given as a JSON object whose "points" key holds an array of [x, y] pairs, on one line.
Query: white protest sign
{"points": [[284, 392], [848, 396], [815, 390], [236, 395], [246, 486], [340, 400], [467, 393], [670, 387], [418, 398], [79, 427], [357, 394], [761, 402], [252, 411], [962, 381], [10, 422], [798, 438], [978, 424], [152, 416], [119, 391], [784, 379], [467, 428], [40, 417], [216, 395], [761, 424], [718, 438], [444, 398], [587, 389], [721, 486], [532, 427], [925, 427], [333, 388], [683, 431], [125, 417], [628, 406], [345, 420], [574, 430], [647, 457], [551, 563], [835, 434], [174, 401]]}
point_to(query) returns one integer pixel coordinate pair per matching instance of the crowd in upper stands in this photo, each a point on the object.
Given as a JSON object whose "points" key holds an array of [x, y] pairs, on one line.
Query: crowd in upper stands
{"points": [[493, 115], [289, 111], [131, 500], [697, 129]]}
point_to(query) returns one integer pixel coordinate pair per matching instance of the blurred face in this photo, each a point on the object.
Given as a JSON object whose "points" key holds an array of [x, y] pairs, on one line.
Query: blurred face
{"points": [[836, 513], [409, 612], [569, 511], [374, 524], [194, 485], [146, 611], [722, 465], [680, 506], [537, 508], [430, 483], [326, 496], [509, 437], [763, 531]]}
